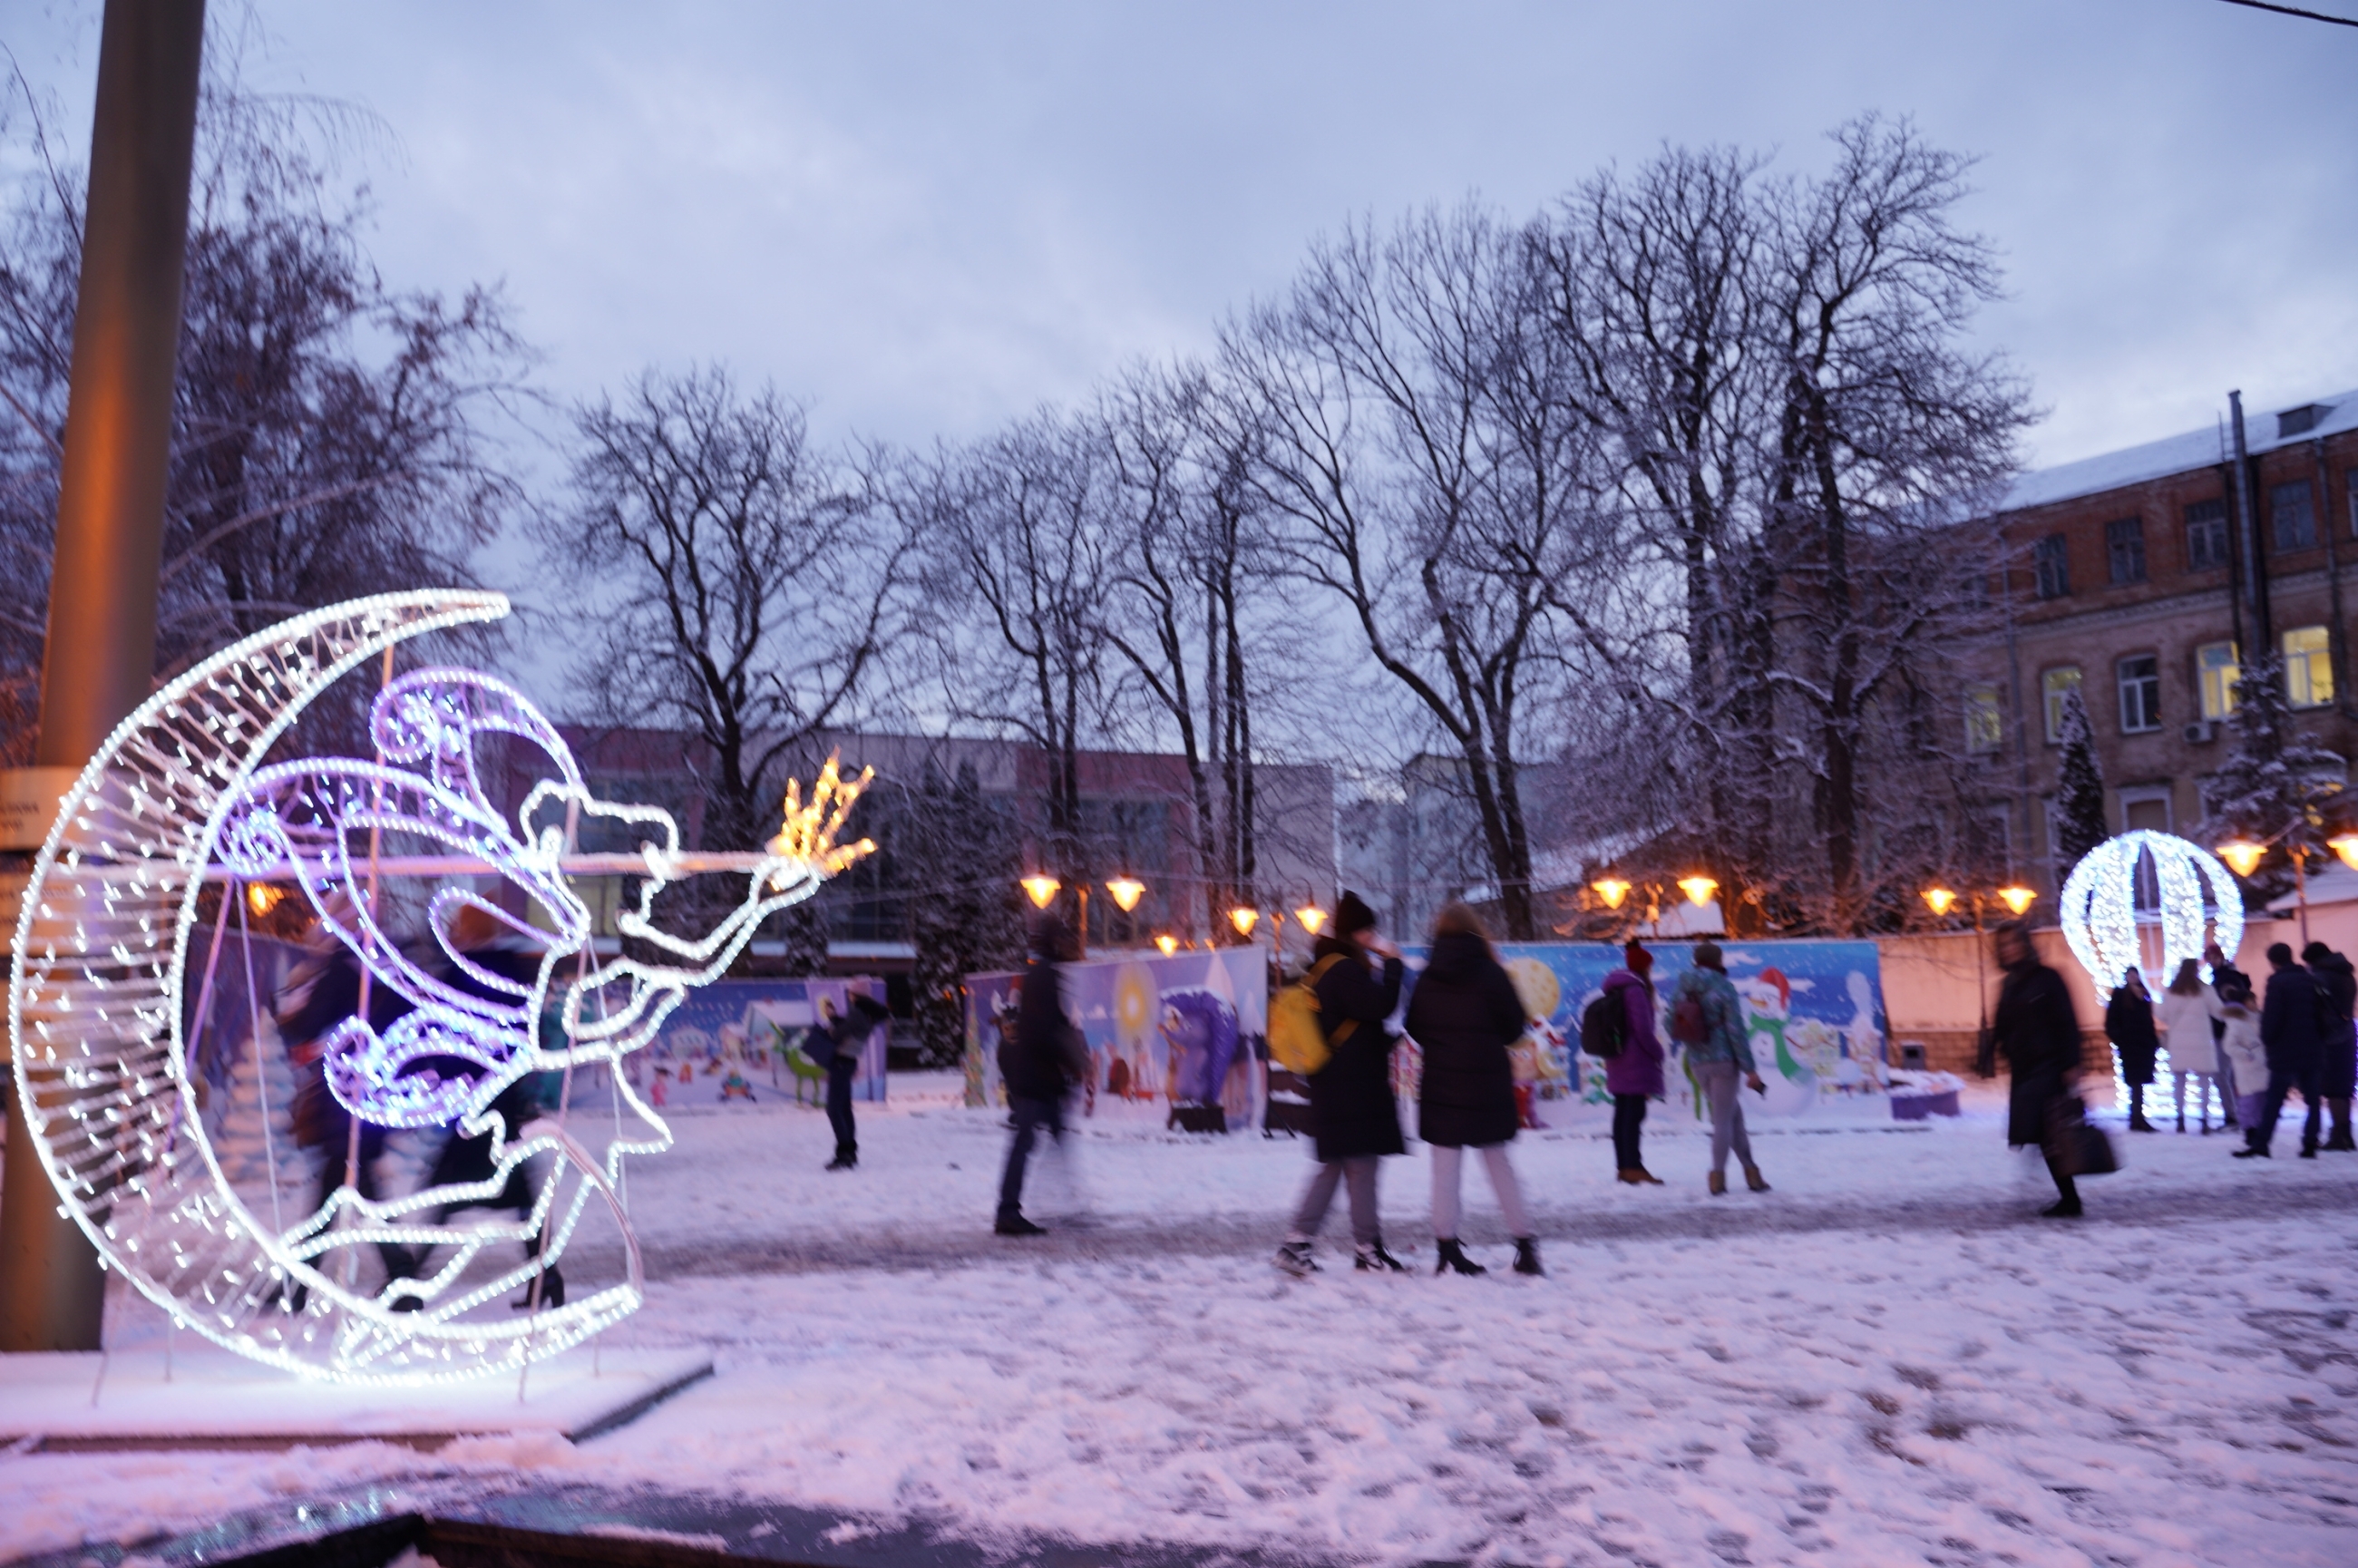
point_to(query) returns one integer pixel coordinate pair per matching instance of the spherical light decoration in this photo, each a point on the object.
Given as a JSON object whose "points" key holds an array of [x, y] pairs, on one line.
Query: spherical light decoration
{"points": [[2099, 906]]}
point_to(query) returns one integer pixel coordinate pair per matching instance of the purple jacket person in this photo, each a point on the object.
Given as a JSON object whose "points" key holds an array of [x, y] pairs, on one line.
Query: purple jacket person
{"points": [[1635, 1074]]}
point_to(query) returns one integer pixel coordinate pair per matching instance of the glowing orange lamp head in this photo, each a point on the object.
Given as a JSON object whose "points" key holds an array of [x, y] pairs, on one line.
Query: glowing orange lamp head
{"points": [[1612, 890], [1042, 887], [2346, 846], [2243, 854], [1127, 891], [1698, 888], [1940, 900], [2018, 898], [1312, 918], [1168, 942], [1244, 920], [261, 898]]}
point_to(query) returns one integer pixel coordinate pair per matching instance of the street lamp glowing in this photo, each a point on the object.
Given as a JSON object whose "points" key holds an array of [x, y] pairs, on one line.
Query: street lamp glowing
{"points": [[2243, 854], [1127, 891], [1612, 890], [1168, 942], [1244, 920], [1940, 900], [1698, 889], [2018, 898], [261, 898], [2346, 846], [1312, 917], [1042, 887]]}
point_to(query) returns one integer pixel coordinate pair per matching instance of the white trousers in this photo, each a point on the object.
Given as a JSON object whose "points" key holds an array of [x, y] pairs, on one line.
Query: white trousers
{"points": [[1447, 1163]]}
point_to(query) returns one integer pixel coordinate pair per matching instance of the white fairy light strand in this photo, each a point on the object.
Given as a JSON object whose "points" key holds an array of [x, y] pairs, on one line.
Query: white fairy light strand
{"points": [[2200, 906], [96, 1019]]}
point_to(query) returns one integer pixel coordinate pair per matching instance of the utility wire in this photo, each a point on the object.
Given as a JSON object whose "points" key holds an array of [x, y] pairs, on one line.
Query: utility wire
{"points": [[2297, 10]]}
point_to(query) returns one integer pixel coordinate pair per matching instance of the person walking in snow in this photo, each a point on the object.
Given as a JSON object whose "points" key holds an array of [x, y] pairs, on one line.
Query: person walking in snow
{"points": [[2128, 1023], [2289, 1030], [2038, 1030], [1037, 1063], [1463, 1015], [848, 1035], [2336, 1043], [2185, 1016], [1353, 1118], [2225, 977], [1708, 1018], [1635, 1075]]}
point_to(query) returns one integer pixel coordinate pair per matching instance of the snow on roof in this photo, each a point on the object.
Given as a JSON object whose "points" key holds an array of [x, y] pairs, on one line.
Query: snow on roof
{"points": [[2176, 454]]}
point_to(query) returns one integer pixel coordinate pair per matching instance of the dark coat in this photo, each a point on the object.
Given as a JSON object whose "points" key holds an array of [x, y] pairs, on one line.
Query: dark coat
{"points": [[1464, 1014], [1352, 1110], [2289, 1020], [1639, 1069], [2128, 1023], [2338, 1046], [2038, 1031], [1033, 1063]]}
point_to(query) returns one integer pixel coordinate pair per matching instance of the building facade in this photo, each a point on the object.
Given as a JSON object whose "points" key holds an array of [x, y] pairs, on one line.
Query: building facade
{"points": [[2141, 578]]}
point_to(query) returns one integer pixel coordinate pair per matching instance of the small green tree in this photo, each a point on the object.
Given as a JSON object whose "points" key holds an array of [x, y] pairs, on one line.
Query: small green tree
{"points": [[2079, 809], [2273, 783], [961, 861]]}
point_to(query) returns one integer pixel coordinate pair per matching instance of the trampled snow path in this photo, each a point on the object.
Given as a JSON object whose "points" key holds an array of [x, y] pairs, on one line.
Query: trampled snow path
{"points": [[1884, 1360]]}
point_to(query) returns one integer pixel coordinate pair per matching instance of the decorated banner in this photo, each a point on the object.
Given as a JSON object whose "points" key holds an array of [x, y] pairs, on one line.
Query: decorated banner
{"points": [[752, 1041], [1184, 1032], [1812, 1010]]}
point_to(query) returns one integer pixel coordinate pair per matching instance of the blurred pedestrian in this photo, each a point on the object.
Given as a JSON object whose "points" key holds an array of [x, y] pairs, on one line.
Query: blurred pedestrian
{"points": [[2037, 1028], [1463, 1015], [1039, 1064], [847, 1035], [2289, 1017], [2243, 1060], [1707, 1017], [1634, 1074], [1354, 1117], [2336, 1043], [2185, 1017], [2225, 977], [2128, 1023]]}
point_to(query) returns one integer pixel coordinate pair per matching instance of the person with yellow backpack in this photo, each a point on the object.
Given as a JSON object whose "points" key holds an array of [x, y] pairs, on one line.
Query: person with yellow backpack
{"points": [[1353, 987]]}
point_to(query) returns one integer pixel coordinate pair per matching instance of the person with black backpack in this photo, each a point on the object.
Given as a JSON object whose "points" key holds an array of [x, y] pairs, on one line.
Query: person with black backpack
{"points": [[2289, 1030], [1619, 1028], [2337, 985]]}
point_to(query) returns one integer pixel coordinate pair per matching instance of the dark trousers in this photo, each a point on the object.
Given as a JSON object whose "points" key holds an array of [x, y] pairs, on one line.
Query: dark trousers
{"points": [[1031, 1116], [333, 1174], [2282, 1081], [1628, 1116], [839, 1074]]}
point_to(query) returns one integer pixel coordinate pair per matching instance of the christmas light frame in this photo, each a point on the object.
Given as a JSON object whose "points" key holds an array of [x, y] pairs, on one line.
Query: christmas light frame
{"points": [[2200, 905], [97, 1022]]}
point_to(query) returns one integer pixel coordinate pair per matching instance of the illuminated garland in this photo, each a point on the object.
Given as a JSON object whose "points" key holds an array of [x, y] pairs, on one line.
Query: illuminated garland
{"points": [[2099, 906], [95, 1000]]}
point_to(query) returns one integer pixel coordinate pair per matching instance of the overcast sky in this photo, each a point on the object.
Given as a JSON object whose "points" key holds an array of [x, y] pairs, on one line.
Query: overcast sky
{"points": [[926, 220]]}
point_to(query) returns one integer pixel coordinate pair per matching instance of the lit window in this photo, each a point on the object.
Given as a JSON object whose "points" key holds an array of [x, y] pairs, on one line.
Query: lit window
{"points": [[2140, 684], [2125, 549], [2295, 516], [2052, 571], [2206, 535], [2052, 687], [2309, 666], [2220, 670], [1985, 721]]}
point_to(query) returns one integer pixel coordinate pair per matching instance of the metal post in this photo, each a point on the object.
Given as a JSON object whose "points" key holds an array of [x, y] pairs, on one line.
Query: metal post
{"points": [[2255, 582], [101, 655]]}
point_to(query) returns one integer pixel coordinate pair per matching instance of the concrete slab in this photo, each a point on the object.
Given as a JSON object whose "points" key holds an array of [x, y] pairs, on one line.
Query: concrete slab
{"points": [[211, 1399]]}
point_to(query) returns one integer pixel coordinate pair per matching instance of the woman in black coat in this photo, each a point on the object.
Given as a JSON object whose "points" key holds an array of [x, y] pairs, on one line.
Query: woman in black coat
{"points": [[2128, 1023], [2038, 1030], [1464, 1015], [1353, 1117]]}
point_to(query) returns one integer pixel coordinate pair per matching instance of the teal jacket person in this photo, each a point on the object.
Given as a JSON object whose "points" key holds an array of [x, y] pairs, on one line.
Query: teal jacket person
{"points": [[1723, 1038]]}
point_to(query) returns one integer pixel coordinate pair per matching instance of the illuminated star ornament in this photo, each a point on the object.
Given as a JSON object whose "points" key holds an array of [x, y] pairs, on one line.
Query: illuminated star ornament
{"points": [[103, 1035], [2198, 905]]}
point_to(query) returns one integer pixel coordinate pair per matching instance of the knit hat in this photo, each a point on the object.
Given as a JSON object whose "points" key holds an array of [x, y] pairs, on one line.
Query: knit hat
{"points": [[1352, 914], [1706, 956], [1639, 960]]}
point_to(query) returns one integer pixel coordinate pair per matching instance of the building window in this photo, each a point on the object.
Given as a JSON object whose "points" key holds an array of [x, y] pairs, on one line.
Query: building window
{"points": [[2206, 535], [2140, 684], [2053, 686], [1985, 721], [2125, 549], [2053, 573], [2294, 516], [2218, 669], [2309, 666]]}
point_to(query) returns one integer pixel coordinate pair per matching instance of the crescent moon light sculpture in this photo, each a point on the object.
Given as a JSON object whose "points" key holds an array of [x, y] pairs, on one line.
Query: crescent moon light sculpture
{"points": [[102, 1034], [2099, 906]]}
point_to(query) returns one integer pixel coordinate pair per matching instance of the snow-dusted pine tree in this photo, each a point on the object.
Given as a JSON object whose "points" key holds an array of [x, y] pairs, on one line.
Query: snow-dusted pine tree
{"points": [[2273, 783], [2079, 809]]}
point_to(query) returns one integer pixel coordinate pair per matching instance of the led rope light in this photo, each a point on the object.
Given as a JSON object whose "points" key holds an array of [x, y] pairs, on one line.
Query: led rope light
{"points": [[96, 996], [2200, 905]]}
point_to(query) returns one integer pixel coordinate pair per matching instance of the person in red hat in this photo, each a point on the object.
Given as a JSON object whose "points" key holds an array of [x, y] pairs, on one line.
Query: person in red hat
{"points": [[1635, 1075]]}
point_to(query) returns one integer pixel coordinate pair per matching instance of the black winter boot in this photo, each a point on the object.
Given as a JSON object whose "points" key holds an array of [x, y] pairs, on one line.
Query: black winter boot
{"points": [[1454, 1259], [846, 1158], [1527, 1257], [1373, 1257]]}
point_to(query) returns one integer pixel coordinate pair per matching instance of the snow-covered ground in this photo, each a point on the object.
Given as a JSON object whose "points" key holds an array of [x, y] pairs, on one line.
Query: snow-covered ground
{"points": [[1885, 1359]]}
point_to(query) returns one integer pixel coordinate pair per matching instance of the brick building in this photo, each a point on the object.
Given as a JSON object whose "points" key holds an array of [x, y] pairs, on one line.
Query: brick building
{"points": [[2141, 577]]}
